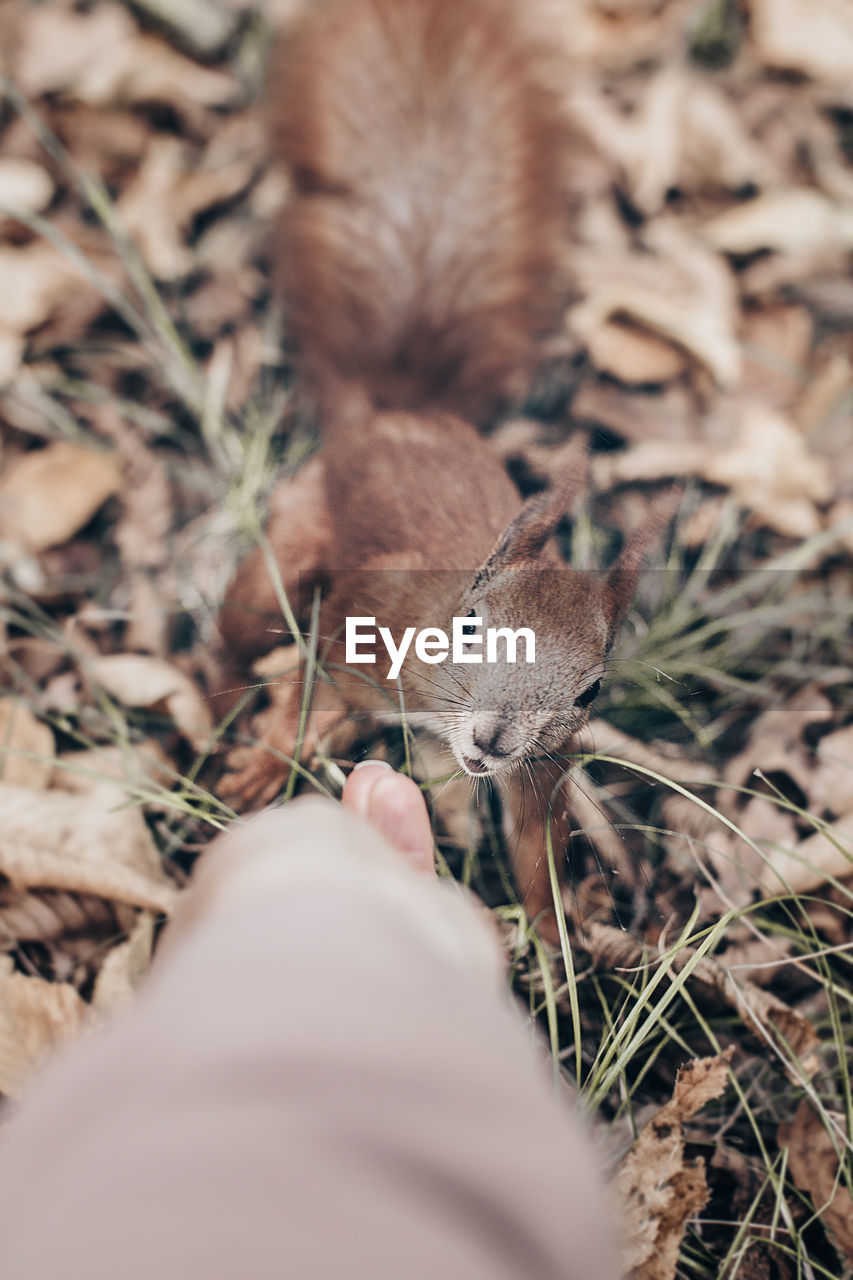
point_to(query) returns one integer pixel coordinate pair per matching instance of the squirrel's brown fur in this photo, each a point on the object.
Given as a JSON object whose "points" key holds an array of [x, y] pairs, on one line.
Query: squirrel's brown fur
{"points": [[421, 251], [420, 259]]}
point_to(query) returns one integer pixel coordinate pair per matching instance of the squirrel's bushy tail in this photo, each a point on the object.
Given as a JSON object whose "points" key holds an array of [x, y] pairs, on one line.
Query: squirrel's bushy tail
{"points": [[420, 253]]}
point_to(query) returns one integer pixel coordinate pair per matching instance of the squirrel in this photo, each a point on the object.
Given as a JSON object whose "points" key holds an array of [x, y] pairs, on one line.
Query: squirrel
{"points": [[421, 258]]}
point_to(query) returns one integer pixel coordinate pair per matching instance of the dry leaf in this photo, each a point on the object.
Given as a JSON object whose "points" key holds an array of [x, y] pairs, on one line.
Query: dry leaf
{"points": [[611, 33], [813, 1159], [101, 58], [638, 416], [776, 743], [21, 732], [36, 280], [147, 70], [165, 196], [736, 864], [658, 1190], [792, 222], [11, 354], [684, 133], [824, 392], [632, 356], [142, 763], [767, 466], [138, 680], [777, 342], [24, 185], [662, 757], [48, 915], [769, 1019], [832, 787], [815, 38], [772, 473], [146, 212], [49, 494], [679, 290], [649, 460], [56, 46], [36, 1017], [197, 25], [124, 968], [83, 844], [826, 855]]}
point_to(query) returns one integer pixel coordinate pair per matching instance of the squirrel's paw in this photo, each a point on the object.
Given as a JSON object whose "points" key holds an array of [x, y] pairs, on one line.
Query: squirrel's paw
{"points": [[253, 779], [256, 772]]}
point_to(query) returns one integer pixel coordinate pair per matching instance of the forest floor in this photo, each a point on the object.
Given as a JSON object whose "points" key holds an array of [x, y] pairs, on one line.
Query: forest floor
{"points": [[146, 408]]}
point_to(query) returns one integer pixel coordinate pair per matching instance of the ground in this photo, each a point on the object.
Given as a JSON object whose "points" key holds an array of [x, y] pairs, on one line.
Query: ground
{"points": [[146, 407]]}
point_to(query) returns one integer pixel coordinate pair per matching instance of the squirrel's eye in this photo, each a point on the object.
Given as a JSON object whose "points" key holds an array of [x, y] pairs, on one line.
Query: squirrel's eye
{"points": [[469, 631], [589, 694]]}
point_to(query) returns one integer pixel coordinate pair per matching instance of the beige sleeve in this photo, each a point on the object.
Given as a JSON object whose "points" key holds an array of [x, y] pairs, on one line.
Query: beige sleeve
{"points": [[322, 1077]]}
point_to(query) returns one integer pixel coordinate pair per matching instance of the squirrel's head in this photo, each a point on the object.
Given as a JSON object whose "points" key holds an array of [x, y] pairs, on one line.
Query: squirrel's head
{"points": [[505, 712]]}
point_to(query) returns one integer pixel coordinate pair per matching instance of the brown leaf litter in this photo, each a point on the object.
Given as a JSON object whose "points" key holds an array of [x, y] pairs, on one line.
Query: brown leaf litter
{"points": [[817, 1145], [707, 339], [658, 1189]]}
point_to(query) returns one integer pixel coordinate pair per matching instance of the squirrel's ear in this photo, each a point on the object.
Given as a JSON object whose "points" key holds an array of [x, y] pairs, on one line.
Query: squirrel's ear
{"points": [[524, 539], [620, 581]]}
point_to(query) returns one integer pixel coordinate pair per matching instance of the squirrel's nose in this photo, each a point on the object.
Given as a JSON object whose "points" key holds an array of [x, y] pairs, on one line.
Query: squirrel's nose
{"points": [[490, 741]]}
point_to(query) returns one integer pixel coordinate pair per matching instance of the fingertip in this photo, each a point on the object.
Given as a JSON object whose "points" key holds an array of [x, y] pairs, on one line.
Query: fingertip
{"points": [[392, 803]]}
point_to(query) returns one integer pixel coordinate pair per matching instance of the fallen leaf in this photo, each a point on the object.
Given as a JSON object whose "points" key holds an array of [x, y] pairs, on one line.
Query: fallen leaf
{"points": [[658, 1190], [202, 28], [49, 494], [632, 356], [138, 680], [600, 736], [777, 342], [141, 764], [83, 844], [49, 915], [56, 47], [792, 222], [36, 279], [738, 865], [145, 209], [813, 1160], [650, 460], [123, 969], [832, 786], [815, 39], [102, 140], [611, 33], [11, 354], [147, 70], [101, 58], [24, 185], [678, 289], [36, 1018], [683, 133], [165, 196], [826, 855], [26, 746], [772, 473], [768, 1018], [776, 744], [824, 392], [637, 415]]}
